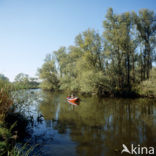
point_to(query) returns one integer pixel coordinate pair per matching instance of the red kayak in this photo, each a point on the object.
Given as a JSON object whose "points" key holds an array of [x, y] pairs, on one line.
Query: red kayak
{"points": [[73, 103], [72, 99]]}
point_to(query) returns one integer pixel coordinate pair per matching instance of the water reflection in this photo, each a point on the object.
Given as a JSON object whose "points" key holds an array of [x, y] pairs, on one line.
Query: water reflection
{"points": [[94, 127], [74, 103]]}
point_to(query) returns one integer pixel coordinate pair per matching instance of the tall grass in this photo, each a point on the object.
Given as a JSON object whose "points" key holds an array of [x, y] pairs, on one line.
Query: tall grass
{"points": [[25, 150], [5, 102], [12, 125], [148, 87]]}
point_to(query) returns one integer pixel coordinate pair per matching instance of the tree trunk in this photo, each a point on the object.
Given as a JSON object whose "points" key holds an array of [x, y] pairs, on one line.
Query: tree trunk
{"points": [[133, 68], [128, 71]]}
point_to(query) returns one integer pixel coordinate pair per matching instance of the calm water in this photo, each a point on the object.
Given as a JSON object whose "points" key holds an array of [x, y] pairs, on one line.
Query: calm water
{"points": [[95, 127]]}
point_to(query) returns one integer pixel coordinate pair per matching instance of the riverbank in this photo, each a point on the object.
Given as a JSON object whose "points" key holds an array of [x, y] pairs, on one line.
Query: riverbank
{"points": [[13, 123], [62, 128], [54, 123]]}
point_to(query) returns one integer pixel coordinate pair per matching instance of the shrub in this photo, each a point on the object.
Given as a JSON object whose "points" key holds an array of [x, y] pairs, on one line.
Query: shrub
{"points": [[148, 87]]}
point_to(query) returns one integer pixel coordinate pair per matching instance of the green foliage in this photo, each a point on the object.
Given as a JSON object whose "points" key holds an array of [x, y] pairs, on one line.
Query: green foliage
{"points": [[4, 78], [148, 87], [111, 64], [5, 96], [146, 27], [4, 81], [5, 102], [23, 81], [5, 135], [82, 64], [25, 150], [11, 123], [48, 74], [7, 139], [121, 47]]}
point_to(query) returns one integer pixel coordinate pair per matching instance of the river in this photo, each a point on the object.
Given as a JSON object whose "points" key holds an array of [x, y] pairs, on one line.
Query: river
{"points": [[94, 127]]}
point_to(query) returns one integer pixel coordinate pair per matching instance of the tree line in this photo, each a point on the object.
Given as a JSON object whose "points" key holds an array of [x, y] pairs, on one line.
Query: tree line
{"points": [[21, 81], [113, 63]]}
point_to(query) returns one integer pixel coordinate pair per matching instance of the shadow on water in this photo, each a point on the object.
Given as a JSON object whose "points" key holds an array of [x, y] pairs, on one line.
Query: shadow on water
{"points": [[93, 127]]}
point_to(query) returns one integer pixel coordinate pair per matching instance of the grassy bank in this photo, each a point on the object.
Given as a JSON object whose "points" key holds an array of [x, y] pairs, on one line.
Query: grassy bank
{"points": [[12, 125], [148, 88]]}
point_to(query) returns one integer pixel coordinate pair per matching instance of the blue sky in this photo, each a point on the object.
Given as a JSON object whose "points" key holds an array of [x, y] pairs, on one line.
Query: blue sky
{"points": [[30, 29]]}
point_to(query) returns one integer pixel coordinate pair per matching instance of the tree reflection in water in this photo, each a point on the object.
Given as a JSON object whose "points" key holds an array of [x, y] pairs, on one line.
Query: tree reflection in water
{"points": [[95, 127]]}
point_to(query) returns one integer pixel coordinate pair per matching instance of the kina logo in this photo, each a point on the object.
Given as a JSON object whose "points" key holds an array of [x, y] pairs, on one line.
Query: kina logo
{"points": [[138, 150]]}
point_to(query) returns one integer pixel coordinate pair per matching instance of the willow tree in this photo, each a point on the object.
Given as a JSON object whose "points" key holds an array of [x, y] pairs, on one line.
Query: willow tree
{"points": [[90, 65], [105, 64], [48, 74], [66, 59], [121, 47], [90, 42], [146, 26], [61, 58]]}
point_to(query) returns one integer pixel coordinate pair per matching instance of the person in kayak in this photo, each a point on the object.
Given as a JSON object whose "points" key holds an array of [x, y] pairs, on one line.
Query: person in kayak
{"points": [[72, 96]]}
